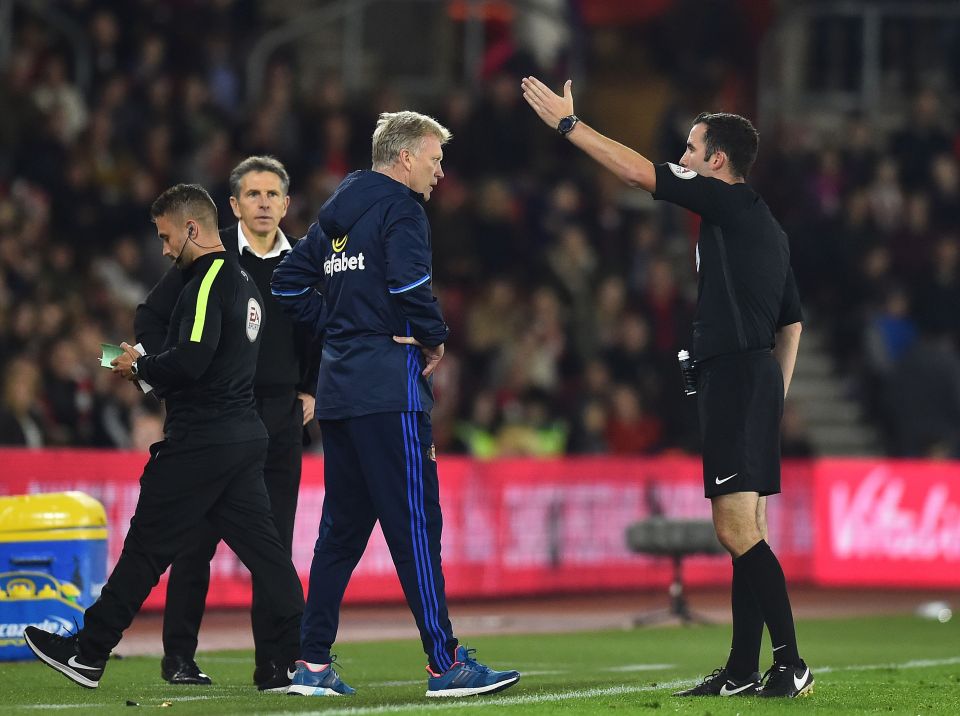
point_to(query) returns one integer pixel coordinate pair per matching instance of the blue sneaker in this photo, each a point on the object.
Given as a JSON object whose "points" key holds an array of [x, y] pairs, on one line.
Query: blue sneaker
{"points": [[317, 680], [468, 677]]}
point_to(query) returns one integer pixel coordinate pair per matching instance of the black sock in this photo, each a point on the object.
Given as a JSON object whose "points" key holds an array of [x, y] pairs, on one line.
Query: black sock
{"points": [[747, 628], [762, 571]]}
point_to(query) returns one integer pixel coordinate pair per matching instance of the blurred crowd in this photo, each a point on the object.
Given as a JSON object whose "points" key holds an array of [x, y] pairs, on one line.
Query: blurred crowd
{"points": [[875, 245], [568, 295]]}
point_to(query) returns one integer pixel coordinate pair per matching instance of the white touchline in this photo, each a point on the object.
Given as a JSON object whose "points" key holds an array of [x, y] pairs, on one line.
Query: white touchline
{"points": [[144, 702], [912, 664], [639, 667], [495, 702]]}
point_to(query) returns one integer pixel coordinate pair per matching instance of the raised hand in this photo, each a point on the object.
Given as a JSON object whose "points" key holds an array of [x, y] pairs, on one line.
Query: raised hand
{"points": [[548, 105]]}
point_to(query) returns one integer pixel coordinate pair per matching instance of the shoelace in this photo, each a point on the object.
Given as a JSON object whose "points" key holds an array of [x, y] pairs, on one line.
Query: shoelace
{"points": [[715, 675], [70, 637], [473, 664], [60, 638], [773, 671], [333, 659]]}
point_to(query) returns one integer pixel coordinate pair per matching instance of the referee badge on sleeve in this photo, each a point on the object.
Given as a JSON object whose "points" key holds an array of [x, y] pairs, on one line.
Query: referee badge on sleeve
{"points": [[682, 172], [254, 319]]}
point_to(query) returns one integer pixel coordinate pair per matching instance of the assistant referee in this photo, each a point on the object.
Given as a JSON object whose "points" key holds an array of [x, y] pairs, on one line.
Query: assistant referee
{"points": [[283, 386], [209, 466], [745, 338]]}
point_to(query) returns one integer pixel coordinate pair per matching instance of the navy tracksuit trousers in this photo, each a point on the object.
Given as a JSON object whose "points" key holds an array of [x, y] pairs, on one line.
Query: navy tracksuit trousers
{"points": [[379, 467]]}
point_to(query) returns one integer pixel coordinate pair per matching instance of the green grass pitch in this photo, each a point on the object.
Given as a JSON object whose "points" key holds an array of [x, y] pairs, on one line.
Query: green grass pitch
{"points": [[888, 665]]}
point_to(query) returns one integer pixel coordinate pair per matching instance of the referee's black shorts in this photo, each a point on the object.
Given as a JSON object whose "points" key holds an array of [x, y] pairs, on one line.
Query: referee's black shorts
{"points": [[740, 402]]}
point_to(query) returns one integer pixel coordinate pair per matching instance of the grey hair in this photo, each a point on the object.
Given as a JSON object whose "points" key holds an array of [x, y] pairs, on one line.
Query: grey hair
{"points": [[403, 130], [262, 163]]}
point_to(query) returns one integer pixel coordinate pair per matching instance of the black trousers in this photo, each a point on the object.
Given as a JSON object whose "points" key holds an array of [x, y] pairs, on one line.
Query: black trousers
{"points": [[379, 467], [181, 487], [190, 572]]}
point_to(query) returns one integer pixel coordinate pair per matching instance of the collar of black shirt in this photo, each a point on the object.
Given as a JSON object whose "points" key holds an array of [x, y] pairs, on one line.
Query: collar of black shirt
{"points": [[203, 263]]}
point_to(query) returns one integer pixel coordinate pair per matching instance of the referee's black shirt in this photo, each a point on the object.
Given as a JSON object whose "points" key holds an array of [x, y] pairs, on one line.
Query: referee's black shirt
{"points": [[205, 370], [286, 363], [745, 289]]}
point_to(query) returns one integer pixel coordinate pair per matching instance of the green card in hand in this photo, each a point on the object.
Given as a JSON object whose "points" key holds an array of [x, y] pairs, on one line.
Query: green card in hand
{"points": [[110, 352]]}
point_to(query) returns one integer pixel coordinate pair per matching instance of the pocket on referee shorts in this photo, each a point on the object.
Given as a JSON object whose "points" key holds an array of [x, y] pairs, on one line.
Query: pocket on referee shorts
{"points": [[722, 408]]}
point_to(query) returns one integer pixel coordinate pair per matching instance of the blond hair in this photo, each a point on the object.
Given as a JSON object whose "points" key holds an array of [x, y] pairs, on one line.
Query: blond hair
{"points": [[403, 130]]}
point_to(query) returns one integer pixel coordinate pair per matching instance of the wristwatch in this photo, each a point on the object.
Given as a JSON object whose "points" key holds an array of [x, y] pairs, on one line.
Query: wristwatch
{"points": [[133, 368], [566, 124]]}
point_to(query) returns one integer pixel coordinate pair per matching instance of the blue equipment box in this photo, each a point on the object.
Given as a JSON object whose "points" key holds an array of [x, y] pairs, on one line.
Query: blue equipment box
{"points": [[53, 563]]}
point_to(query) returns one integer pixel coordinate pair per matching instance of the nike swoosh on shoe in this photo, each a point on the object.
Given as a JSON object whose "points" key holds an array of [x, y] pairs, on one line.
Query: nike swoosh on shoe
{"points": [[72, 661], [724, 691]]}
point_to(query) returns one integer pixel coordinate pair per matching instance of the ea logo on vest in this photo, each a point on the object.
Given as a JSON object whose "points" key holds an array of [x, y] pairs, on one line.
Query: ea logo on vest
{"points": [[254, 319]]}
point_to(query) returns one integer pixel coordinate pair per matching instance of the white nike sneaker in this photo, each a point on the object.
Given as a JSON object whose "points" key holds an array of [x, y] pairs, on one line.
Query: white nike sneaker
{"points": [[63, 654], [787, 681]]}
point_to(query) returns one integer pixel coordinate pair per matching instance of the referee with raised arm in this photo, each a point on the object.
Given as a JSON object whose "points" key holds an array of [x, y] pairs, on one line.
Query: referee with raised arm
{"points": [[209, 466], [283, 387], [745, 338]]}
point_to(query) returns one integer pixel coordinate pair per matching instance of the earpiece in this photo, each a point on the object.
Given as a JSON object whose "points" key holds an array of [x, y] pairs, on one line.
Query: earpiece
{"points": [[191, 232]]}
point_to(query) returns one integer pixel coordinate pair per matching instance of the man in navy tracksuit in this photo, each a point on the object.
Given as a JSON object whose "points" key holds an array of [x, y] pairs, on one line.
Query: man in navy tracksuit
{"points": [[361, 278]]}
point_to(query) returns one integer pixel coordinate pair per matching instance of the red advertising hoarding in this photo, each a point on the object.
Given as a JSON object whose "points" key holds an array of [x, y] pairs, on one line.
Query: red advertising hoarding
{"points": [[887, 523], [511, 527], [524, 527]]}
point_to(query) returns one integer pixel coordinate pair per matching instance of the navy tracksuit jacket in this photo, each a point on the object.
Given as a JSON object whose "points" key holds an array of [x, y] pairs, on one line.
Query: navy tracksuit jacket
{"points": [[369, 255], [361, 276]]}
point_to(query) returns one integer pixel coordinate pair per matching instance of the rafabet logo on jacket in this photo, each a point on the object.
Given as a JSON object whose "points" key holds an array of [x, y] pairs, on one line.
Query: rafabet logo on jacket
{"points": [[340, 262]]}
